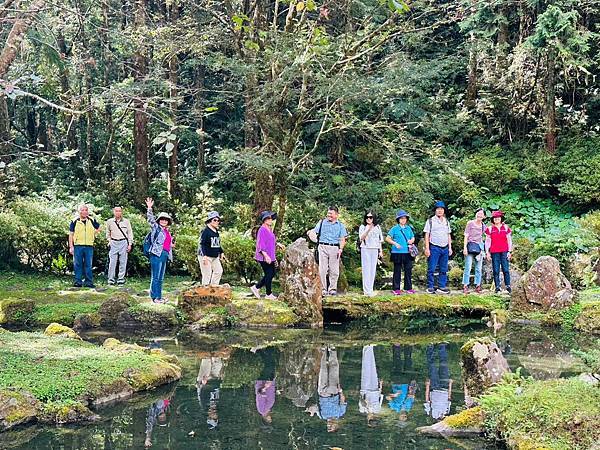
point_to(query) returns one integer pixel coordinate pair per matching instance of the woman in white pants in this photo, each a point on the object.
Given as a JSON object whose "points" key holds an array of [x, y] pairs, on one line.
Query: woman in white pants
{"points": [[371, 387], [371, 237]]}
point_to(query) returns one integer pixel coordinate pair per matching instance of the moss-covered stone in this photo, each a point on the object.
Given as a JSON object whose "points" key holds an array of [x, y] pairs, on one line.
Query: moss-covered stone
{"points": [[14, 311], [213, 317], [62, 373], [483, 365], [149, 316], [111, 309], [16, 407], [588, 319], [87, 321], [56, 329], [471, 417], [355, 306], [263, 313]]}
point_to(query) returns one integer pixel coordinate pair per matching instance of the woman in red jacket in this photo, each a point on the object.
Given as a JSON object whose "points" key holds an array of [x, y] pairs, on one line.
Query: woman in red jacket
{"points": [[498, 246]]}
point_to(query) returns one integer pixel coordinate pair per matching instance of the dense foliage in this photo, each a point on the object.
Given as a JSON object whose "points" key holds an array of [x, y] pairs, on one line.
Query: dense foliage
{"points": [[292, 105]]}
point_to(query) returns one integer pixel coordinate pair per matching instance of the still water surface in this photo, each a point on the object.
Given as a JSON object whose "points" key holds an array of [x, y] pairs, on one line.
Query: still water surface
{"points": [[299, 389]]}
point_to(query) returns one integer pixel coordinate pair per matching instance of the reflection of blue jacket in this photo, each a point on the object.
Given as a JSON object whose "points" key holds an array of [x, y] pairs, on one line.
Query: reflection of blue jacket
{"points": [[332, 407], [157, 244], [157, 408], [402, 402]]}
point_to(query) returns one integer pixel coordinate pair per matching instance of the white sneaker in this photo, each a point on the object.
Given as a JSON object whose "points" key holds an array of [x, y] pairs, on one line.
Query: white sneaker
{"points": [[255, 291], [271, 297]]}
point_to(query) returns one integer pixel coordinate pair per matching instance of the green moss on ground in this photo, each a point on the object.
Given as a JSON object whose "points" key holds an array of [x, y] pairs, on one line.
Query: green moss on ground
{"points": [[15, 311], [469, 418], [151, 315], [61, 370], [561, 414], [259, 312]]}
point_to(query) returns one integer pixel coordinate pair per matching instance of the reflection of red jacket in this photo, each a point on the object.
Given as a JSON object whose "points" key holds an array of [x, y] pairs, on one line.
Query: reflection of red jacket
{"points": [[498, 238]]}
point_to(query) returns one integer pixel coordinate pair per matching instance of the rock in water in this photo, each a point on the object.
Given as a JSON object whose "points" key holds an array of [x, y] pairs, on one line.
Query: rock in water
{"points": [[483, 365], [543, 287], [194, 302], [301, 284]]}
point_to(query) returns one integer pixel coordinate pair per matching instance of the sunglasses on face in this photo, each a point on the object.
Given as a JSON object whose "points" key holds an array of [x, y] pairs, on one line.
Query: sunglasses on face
{"points": [[369, 217], [216, 220]]}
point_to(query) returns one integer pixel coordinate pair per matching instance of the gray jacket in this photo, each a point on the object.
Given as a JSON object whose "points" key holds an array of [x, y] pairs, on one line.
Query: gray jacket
{"points": [[157, 245]]}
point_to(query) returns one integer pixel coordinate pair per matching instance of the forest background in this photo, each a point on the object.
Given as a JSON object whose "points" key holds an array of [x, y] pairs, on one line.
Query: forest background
{"points": [[247, 105]]}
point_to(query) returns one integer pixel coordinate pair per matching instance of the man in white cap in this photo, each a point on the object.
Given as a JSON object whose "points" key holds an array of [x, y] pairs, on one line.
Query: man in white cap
{"points": [[210, 252]]}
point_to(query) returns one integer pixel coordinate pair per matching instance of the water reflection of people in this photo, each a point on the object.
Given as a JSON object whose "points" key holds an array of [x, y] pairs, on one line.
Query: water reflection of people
{"points": [[371, 386], [332, 401], [438, 387], [265, 387], [157, 415], [210, 368], [404, 386]]}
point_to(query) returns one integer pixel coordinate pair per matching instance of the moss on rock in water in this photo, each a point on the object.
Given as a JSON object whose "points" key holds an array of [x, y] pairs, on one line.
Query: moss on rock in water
{"points": [[469, 418], [266, 313], [560, 414], [16, 407], [15, 311], [61, 371], [149, 315]]}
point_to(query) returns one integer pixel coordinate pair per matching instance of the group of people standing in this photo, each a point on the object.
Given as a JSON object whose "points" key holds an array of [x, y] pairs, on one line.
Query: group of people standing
{"points": [[493, 241]]}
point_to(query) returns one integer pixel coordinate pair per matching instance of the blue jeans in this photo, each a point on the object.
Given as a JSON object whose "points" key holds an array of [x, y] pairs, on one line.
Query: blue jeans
{"points": [[478, 266], [440, 375], [439, 257], [158, 265], [500, 260], [82, 264]]}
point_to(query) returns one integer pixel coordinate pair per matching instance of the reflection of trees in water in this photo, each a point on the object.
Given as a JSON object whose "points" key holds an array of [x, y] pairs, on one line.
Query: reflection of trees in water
{"points": [[297, 372]]}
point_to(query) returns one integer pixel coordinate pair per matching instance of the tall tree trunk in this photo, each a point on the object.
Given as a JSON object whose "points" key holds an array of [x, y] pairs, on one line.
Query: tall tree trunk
{"points": [[550, 106], [173, 187], [5, 135], [472, 80], [63, 76], [141, 141], [281, 206], [16, 35], [201, 148]]}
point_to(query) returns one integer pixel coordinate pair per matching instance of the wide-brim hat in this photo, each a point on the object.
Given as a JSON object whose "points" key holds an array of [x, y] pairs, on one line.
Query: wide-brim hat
{"points": [[401, 214], [267, 214], [164, 215], [212, 215], [497, 214]]}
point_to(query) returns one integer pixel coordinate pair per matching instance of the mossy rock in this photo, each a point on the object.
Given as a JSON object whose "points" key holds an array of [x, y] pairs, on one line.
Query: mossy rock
{"points": [[17, 311], [149, 316], [17, 407], [87, 321], [469, 418], [263, 313], [56, 329], [111, 309], [211, 318], [588, 320], [68, 412]]}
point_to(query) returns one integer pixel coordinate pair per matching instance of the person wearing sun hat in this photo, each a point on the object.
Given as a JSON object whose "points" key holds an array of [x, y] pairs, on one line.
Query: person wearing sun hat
{"points": [[161, 250], [401, 236], [473, 250], [266, 244], [438, 248], [210, 253], [498, 246]]}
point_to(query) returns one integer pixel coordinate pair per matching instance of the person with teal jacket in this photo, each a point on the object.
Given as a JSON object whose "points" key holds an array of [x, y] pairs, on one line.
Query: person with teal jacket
{"points": [[401, 236]]}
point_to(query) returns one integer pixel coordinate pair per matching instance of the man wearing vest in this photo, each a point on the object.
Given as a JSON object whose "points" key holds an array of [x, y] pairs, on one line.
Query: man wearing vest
{"points": [[438, 248], [82, 232], [120, 239], [331, 235]]}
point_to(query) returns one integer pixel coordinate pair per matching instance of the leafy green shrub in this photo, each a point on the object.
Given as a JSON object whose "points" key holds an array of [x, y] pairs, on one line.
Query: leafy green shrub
{"points": [[579, 168], [492, 169], [590, 223]]}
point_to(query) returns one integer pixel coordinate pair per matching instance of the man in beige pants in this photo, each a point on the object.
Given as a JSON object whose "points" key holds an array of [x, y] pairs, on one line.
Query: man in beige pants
{"points": [[210, 252], [330, 234]]}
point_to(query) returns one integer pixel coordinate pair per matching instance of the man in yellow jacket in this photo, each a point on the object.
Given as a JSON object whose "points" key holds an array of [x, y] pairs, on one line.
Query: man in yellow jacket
{"points": [[82, 232]]}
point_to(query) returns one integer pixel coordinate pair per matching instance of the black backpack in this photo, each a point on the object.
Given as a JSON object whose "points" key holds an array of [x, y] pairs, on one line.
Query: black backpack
{"points": [[148, 241]]}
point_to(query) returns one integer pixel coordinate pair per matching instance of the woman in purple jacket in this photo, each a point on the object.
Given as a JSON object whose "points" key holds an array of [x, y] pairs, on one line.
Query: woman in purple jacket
{"points": [[266, 244]]}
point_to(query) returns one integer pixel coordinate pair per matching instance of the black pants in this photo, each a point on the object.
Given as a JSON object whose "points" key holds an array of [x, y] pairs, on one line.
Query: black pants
{"points": [[403, 262], [267, 279]]}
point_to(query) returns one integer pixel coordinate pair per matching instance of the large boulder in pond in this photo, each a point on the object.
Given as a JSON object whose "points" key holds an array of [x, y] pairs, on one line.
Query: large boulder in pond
{"points": [[195, 301], [16, 407], [483, 365], [543, 287], [301, 284], [16, 311]]}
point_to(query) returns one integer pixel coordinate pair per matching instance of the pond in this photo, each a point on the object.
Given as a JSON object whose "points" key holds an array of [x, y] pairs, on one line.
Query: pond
{"points": [[301, 389]]}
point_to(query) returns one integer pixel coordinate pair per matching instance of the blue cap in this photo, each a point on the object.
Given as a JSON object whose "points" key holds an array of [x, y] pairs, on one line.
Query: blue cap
{"points": [[439, 204], [266, 214], [401, 214]]}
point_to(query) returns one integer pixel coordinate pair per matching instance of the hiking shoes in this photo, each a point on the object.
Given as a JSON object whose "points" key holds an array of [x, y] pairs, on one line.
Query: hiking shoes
{"points": [[430, 291], [442, 291]]}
